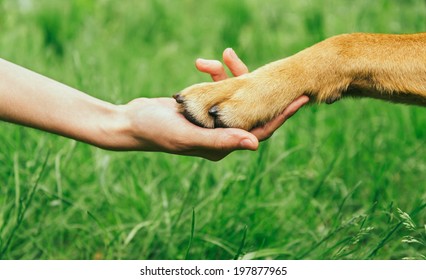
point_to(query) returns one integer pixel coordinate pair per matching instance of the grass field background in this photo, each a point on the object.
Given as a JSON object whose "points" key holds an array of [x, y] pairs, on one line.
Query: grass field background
{"points": [[346, 181]]}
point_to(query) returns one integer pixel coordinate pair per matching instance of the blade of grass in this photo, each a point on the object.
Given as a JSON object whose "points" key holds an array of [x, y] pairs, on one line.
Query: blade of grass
{"points": [[326, 173], [383, 242], [24, 209], [219, 243], [243, 240], [193, 185], [266, 253], [192, 234], [328, 236], [17, 185]]}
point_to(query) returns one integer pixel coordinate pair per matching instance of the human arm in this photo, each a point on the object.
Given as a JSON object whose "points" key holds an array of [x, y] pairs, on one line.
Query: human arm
{"points": [[143, 124]]}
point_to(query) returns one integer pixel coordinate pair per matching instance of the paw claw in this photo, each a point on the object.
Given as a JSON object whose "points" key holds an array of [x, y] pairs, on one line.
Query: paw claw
{"points": [[214, 111], [331, 100], [179, 98]]}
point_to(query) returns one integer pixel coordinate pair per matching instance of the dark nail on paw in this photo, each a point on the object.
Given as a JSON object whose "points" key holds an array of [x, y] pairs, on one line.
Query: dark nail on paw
{"points": [[331, 100], [214, 111], [178, 97]]}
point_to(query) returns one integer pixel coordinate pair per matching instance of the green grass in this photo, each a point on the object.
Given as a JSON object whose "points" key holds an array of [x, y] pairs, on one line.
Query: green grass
{"points": [[346, 181]]}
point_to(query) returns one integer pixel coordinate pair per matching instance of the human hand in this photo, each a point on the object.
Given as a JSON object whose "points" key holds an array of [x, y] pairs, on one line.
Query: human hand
{"points": [[33, 100], [156, 125]]}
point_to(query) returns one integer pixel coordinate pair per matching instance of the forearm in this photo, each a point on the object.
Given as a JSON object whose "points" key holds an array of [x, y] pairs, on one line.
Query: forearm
{"points": [[33, 100], [383, 66]]}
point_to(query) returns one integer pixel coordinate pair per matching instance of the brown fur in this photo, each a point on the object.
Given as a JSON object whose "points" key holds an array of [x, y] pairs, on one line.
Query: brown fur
{"points": [[387, 67]]}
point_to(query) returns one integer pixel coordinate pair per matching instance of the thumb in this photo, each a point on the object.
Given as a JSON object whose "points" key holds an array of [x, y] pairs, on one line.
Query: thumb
{"points": [[229, 139]]}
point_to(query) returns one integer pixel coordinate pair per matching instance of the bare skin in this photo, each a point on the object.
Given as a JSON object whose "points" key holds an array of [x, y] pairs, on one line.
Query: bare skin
{"points": [[143, 124]]}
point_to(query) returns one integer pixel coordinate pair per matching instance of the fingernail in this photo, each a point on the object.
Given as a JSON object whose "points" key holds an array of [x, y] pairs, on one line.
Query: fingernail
{"points": [[247, 144], [203, 61], [232, 53]]}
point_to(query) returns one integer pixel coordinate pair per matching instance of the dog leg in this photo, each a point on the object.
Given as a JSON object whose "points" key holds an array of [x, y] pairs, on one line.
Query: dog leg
{"points": [[388, 67]]}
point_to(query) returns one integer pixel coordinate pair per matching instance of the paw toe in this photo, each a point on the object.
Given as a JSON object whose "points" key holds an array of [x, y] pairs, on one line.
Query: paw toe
{"points": [[179, 98], [214, 111]]}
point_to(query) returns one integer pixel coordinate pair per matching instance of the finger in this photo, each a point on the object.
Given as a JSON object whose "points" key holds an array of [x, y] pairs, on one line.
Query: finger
{"points": [[295, 106], [266, 131], [234, 63], [212, 67], [215, 144], [230, 139], [224, 140]]}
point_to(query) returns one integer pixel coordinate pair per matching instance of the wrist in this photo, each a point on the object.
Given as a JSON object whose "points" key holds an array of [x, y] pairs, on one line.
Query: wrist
{"points": [[113, 131]]}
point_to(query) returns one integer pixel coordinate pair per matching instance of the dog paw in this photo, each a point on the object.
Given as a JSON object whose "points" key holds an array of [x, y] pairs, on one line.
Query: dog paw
{"points": [[243, 102]]}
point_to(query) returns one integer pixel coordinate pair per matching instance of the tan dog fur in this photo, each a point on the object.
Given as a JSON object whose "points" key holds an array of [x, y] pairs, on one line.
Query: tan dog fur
{"points": [[388, 67]]}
